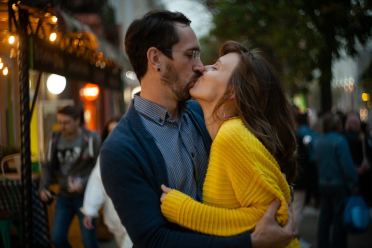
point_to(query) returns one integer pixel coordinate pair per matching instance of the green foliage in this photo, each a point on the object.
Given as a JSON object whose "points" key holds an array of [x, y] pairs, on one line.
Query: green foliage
{"points": [[297, 36]]}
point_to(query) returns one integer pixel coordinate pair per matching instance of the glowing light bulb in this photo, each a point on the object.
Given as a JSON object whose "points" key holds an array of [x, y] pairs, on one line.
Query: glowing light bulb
{"points": [[54, 19], [11, 39], [53, 36], [56, 84], [5, 71]]}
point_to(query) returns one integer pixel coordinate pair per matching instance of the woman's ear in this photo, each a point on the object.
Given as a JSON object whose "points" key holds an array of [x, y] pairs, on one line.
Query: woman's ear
{"points": [[231, 96], [153, 58], [230, 93]]}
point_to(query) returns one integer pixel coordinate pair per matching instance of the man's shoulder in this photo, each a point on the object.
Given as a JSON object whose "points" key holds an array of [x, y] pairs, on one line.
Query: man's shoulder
{"points": [[121, 135], [194, 106]]}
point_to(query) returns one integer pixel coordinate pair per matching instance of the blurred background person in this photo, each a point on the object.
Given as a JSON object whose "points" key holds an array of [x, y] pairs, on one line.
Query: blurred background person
{"points": [[71, 157], [360, 151], [306, 170], [337, 176], [96, 197]]}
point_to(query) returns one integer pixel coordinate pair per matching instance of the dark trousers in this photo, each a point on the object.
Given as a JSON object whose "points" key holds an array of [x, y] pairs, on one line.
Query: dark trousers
{"points": [[331, 232], [66, 208]]}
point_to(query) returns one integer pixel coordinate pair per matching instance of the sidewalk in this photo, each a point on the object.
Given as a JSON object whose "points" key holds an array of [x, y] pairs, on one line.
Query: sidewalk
{"points": [[308, 231]]}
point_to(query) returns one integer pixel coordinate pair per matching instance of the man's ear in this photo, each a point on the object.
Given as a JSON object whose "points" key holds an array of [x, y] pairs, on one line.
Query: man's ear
{"points": [[153, 58]]}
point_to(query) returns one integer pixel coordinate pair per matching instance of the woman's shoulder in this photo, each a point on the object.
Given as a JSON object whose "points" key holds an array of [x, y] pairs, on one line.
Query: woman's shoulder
{"points": [[235, 127], [234, 132]]}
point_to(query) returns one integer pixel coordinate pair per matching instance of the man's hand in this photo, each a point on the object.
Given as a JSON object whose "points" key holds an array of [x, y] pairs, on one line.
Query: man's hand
{"points": [[269, 234], [74, 184], [45, 195]]}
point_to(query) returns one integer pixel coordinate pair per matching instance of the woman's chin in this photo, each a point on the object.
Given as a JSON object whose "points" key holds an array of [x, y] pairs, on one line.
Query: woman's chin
{"points": [[192, 92]]}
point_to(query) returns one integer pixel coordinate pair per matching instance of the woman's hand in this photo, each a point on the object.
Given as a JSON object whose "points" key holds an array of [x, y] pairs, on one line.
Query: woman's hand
{"points": [[165, 192]]}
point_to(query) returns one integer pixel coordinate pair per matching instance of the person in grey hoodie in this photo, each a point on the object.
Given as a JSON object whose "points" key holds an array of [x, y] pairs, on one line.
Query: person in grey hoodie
{"points": [[71, 157]]}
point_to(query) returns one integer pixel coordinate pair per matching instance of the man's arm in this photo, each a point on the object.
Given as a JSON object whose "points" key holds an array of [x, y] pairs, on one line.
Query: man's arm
{"points": [[269, 234], [137, 202]]}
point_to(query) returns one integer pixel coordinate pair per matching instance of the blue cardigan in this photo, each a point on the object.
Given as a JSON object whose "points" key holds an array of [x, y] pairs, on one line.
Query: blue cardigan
{"points": [[133, 169]]}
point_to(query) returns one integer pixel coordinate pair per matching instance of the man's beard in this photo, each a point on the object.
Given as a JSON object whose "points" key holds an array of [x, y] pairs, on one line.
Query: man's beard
{"points": [[179, 88]]}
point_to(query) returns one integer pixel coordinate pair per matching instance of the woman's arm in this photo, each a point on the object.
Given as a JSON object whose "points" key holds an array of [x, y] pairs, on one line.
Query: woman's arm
{"points": [[94, 195], [181, 209], [255, 180]]}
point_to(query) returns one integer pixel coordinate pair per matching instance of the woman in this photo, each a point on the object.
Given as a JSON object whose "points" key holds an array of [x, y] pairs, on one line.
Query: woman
{"points": [[95, 197], [252, 159]]}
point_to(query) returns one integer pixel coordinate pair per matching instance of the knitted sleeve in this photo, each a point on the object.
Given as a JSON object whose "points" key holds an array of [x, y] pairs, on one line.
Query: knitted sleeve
{"points": [[181, 209], [254, 179]]}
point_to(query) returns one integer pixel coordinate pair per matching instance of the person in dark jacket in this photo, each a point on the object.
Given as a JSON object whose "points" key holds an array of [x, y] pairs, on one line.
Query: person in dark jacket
{"points": [[162, 139], [337, 176], [361, 152]]}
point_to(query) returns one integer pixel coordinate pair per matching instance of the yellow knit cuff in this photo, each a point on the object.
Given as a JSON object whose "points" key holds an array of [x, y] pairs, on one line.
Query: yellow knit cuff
{"points": [[172, 205]]}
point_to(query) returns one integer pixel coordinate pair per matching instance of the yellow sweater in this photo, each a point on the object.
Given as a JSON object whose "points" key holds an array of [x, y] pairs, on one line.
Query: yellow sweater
{"points": [[243, 178]]}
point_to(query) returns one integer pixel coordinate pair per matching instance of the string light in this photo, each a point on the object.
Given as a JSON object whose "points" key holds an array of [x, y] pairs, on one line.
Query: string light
{"points": [[54, 19], [5, 71], [53, 36], [11, 39], [1, 65]]}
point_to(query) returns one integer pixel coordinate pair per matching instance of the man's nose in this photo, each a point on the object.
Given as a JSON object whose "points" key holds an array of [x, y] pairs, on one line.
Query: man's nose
{"points": [[199, 67]]}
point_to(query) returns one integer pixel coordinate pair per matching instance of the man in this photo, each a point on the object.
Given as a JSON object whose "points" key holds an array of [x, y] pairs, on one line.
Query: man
{"points": [[337, 177], [72, 154], [163, 140]]}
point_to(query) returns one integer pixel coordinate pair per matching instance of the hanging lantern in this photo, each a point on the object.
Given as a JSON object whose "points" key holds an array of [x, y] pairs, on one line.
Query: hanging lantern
{"points": [[89, 92]]}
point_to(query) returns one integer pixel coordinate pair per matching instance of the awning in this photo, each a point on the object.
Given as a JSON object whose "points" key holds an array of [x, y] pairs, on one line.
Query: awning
{"points": [[76, 53]]}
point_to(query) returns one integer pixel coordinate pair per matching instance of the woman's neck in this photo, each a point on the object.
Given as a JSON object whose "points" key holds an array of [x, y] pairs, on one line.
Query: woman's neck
{"points": [[212, 123]]}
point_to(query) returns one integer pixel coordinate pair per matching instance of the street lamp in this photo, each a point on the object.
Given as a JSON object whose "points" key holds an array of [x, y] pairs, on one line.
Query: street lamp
{"points": [[56, 84]]}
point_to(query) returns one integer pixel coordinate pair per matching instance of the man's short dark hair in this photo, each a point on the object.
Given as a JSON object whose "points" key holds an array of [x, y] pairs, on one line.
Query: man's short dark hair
{"points": [[73, 111], [155, 29], [331, 123]]}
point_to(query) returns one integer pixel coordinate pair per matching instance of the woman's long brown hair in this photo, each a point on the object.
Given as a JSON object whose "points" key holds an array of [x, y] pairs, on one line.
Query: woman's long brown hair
{"points": [[263, 106]]}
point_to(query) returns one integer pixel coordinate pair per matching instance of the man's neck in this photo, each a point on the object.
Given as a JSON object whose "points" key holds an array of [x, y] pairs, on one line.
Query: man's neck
{"points": [[161, 95], [72, 135]]}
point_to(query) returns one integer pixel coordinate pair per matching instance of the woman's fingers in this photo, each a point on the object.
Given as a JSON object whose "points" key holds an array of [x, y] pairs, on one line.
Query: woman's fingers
{"points": [[165, 188]]}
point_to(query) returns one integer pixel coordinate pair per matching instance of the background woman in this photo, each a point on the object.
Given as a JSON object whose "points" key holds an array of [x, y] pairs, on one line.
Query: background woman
{"points": [[252, 159], [95, 197]]}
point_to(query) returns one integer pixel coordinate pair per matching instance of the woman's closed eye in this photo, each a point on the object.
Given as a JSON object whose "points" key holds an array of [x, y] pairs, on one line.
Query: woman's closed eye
{"points": [[211, 67]]}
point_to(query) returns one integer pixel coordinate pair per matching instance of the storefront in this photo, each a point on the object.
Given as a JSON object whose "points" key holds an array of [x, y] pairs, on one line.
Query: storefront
{"points": [[48, 60]]}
